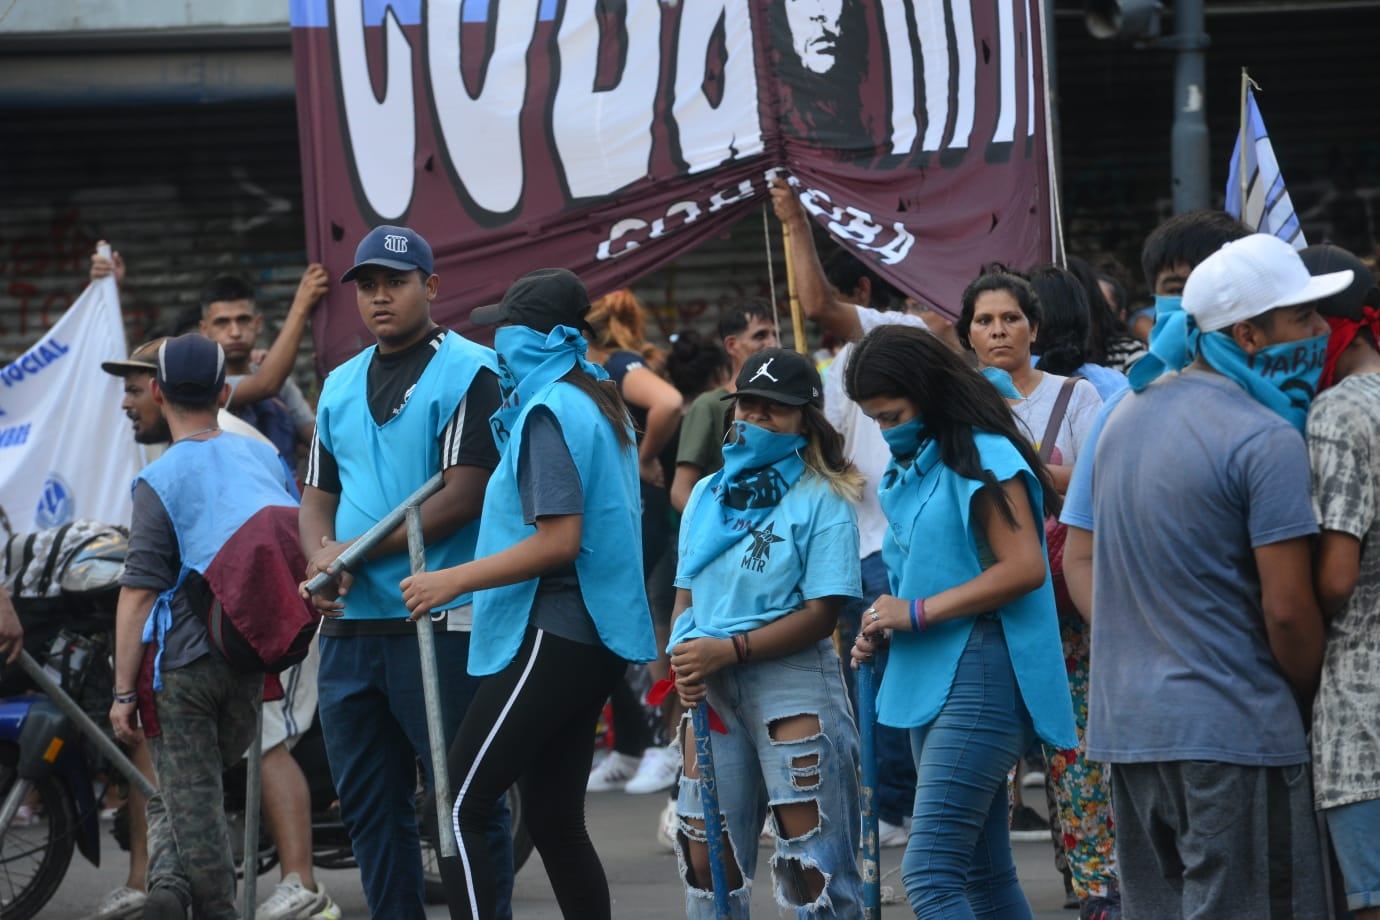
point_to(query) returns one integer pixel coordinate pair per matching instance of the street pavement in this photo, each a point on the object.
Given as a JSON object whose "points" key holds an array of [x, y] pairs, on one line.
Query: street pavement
{"points": [[642, 876]]}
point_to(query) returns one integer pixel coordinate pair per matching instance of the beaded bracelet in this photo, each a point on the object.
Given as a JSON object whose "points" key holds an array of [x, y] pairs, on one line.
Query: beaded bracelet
{"points": [[917, 615], [123, 698]]}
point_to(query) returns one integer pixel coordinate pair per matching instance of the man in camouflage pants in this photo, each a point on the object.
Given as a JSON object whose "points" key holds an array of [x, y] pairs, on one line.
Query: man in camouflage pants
{"points": [[198, 712]]}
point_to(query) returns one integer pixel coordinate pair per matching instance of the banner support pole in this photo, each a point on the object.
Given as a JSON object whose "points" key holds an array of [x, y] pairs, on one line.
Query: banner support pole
{"points": [[797, 318]]}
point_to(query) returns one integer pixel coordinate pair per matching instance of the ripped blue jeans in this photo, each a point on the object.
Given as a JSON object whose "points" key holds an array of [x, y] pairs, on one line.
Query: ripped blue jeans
{"points": [[791, 742]]}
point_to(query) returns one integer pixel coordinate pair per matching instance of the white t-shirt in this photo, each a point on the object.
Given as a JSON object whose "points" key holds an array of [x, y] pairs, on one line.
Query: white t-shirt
{"points": [[862, 438], [1033, 414]]}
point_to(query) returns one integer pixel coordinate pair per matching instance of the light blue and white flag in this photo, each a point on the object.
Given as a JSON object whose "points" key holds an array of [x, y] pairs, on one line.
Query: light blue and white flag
{"points": [[66, 449], [1267, 207]]}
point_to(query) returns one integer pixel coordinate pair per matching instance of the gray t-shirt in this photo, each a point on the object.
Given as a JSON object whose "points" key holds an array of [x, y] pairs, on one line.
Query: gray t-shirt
{"points": [[153, 562], [1344, 445], [549, 486], [1191, 476], [291, 395]]}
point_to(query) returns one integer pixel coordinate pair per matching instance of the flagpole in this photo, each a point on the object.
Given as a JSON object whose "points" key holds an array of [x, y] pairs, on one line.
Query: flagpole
{"points": [[1244, 140], [1056, 217], [797, 318]]}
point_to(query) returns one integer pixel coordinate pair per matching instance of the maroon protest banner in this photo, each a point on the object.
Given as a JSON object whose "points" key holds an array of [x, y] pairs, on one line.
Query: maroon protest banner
{"points": [[610, 136]]}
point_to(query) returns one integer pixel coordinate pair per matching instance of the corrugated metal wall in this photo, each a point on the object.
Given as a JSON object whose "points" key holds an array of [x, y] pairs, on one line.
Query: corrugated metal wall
{"points": [[183, 193]]}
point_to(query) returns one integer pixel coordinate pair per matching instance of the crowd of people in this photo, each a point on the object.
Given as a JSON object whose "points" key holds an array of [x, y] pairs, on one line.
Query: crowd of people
{"points": [[1134, 562]]}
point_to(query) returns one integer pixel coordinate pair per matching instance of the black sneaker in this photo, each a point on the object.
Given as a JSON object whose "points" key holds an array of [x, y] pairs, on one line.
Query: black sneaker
{"points": [[164, 904], [1027, 826], [1099, 908]]}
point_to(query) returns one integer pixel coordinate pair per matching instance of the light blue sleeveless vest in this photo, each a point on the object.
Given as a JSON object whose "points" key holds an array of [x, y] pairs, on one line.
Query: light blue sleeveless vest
{"points": [[609, 565], [191, 480], [381, 465], [928, 506]]}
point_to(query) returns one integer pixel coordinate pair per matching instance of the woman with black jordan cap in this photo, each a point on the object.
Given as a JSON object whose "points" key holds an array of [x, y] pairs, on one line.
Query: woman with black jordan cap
{"points": [[768, 552], [560, 607]]}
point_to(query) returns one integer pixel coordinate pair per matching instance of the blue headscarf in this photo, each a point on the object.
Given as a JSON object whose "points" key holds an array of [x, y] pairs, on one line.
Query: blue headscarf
{"points": [[528, 360]]}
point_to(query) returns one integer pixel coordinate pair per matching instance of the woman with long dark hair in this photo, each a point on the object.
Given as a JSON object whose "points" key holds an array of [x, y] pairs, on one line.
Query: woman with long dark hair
{"points": [[975, 671], [1111, 343], [560, 606], [768, 553]]}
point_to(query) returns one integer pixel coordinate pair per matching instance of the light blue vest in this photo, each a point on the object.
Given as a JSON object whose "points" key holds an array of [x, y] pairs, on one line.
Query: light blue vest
{"points": [[209, 490], [381, 465], [609, 566], [928, 506]]}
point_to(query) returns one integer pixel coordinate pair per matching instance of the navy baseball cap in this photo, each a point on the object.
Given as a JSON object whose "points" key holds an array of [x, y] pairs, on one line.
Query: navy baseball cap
{"points": [[399, 248], [191, 369], [540, 300]]}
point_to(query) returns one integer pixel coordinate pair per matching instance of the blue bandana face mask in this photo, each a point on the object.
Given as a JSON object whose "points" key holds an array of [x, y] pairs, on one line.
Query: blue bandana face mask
{"points": [[529, 360], [760, 467], [904, 439], [1283, 378]]}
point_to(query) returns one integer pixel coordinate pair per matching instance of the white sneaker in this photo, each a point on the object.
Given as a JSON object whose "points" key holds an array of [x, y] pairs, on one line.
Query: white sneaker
{"points": [[120, 904], [667, 826], [613, 773], [657, 772], [893, 835], [292, 901]]}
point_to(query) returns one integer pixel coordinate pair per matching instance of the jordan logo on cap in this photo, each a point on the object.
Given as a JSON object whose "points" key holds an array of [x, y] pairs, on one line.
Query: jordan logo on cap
{"points": [[394, 242], [764, 371]]}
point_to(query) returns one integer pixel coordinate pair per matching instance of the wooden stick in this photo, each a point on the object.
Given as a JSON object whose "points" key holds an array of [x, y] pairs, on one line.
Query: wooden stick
{"points": [[797, 317]]}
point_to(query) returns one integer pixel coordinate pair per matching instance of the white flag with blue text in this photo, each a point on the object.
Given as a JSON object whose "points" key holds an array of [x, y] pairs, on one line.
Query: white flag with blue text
{"points": [[66, 450], [1266, 208]]}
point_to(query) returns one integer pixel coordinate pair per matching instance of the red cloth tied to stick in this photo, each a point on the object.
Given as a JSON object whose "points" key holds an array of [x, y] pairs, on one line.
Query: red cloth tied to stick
{"points": [[666, 686]]}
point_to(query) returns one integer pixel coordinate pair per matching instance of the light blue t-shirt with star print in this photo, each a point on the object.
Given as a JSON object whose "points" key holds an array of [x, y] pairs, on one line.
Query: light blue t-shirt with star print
{"points": [[806, 548]]}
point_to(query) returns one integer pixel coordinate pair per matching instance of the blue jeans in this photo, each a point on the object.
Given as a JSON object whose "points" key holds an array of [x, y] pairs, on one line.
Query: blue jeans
{"points": [[895, 767], [756, 771], [958, 862], [373, 719]]}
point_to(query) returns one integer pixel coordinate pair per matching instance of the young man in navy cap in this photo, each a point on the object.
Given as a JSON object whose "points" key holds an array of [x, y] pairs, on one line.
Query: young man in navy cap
{"points": [[416, 403], [197, 711]]}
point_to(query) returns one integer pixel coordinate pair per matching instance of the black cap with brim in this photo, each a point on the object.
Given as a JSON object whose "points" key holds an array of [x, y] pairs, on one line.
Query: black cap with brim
{"points": [[786, 399], [1350, 301], [780, 375], [540, 300], [127, 367], [142, 360]]}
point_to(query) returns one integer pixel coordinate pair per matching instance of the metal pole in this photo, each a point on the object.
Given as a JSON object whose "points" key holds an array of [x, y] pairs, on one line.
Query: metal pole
{"points": [[1049, 89], [709, 799], [93, 733], [1190, 133], [253, 792], [871, 864], [374, 535], [431, 693]]}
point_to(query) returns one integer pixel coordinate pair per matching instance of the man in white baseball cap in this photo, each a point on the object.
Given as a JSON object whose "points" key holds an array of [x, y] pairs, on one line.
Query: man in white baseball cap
{"points": [[1207, 641]]}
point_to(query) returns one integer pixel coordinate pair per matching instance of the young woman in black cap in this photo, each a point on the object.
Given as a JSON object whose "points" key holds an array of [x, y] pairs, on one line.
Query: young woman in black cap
{"points": [[768, 552], [560, 608]]}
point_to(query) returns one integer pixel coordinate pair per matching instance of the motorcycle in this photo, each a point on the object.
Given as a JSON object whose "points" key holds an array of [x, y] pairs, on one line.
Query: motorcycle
{"points": [[64, 586]]}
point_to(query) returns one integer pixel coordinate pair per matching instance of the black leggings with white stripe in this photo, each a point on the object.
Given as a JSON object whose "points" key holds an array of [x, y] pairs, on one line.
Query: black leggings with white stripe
{"points": [[532, 723]]}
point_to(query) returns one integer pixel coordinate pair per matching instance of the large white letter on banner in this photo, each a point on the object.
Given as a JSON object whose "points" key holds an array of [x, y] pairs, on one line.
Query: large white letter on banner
{"points": [[710, 136], [382, 132], [483, 135], [66, 449], [604, 137]]}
